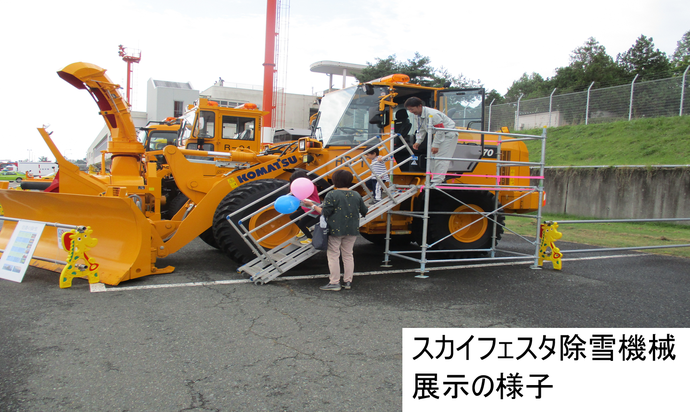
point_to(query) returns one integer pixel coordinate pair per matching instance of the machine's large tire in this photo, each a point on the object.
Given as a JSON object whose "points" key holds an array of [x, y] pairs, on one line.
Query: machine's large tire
{"points": [[397, 241], [208, 237], [176, 204], [380, 239], [35, 185], [173, 206], [229, 241], [476, 236]]}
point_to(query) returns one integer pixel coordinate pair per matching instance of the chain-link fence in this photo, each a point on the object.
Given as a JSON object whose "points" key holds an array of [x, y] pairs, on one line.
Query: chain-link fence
{"points": [[656, 98]]}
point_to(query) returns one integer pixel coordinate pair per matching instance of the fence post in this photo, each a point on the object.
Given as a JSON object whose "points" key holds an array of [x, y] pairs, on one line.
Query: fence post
{"points": [[517, 113], [587, 110], [632, 91], [682, 91], [490, 104], [551, 101]]}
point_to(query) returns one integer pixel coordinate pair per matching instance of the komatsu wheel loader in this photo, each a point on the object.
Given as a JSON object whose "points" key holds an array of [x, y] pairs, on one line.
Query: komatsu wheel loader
{"points": [[136, 224]]}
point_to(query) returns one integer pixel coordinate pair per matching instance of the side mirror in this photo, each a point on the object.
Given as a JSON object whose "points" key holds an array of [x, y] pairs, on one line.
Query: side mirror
{"points": [[377, 119]]}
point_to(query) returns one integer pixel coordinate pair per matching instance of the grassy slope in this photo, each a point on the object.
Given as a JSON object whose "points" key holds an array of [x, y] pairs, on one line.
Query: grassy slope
{"points": [[613, 234], [657, 141]]}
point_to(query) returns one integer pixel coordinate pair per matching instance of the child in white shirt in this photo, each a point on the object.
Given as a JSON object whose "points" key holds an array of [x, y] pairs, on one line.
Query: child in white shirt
{"points": [[378, 167]]}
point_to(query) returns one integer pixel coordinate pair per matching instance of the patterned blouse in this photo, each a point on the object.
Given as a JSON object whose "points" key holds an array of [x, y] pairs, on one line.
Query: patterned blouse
{"points": [[342, 209]]}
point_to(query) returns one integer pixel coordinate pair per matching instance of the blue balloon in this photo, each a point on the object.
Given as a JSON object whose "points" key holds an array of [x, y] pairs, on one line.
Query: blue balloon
{"points": [[286, 204]]}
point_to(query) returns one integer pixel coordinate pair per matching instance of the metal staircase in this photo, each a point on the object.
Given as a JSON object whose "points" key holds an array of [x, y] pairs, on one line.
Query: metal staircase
{"points": [[282, 258], [270, 264]]}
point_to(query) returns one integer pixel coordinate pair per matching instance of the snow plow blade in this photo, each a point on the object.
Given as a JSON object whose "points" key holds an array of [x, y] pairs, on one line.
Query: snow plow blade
{"points": [[124, 234]]}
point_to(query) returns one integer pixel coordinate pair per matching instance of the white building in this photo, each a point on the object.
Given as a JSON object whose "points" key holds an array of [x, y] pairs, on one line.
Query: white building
{"points": [[333, 68], [170, 99], [292, 111]]}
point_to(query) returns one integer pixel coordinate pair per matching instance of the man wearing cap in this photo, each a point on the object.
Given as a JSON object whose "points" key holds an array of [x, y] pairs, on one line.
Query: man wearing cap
{"points": [[443, 143]]}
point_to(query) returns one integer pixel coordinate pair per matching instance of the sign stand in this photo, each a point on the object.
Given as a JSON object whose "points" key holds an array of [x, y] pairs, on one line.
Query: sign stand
{"points": [[20, 249]]}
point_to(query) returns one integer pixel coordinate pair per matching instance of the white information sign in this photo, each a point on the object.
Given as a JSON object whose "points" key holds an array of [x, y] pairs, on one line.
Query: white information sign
{"points": [[17, 256]]}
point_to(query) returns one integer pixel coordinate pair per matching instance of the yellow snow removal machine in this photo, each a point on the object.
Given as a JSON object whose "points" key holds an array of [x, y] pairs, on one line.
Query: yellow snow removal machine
{"points": [[152, 203]]}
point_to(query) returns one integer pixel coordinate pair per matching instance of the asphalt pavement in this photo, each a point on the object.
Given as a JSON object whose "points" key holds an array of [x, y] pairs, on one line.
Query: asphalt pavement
{"points": [[204, 338]]}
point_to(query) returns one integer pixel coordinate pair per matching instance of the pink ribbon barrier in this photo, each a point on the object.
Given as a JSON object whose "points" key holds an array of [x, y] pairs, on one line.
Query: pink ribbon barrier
{"points": [[493, 189], [500, 176]]}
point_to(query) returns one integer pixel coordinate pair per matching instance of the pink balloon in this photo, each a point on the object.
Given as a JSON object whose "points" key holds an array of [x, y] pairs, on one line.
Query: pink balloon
{"points": [[302, 188]]}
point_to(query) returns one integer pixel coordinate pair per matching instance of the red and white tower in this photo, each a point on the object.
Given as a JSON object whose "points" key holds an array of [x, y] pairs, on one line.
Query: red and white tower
{"points": [[133, 57]]}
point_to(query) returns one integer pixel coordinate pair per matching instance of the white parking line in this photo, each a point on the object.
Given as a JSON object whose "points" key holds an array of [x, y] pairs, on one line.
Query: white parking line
{"points": [[100, 287]]}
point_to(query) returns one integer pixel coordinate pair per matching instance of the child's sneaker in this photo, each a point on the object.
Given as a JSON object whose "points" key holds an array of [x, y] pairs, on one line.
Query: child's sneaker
{"points": [[331, 286], [300, 234], [306, 241]]}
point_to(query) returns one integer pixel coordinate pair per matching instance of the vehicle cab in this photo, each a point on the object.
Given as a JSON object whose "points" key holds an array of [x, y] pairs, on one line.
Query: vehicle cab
{"points": [[353, 115], [350, 116], [210, 127], [158, 134]]}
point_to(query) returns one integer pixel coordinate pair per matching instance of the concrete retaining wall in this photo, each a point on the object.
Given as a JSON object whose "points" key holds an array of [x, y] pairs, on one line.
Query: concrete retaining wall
{"points": [[619, 193]]}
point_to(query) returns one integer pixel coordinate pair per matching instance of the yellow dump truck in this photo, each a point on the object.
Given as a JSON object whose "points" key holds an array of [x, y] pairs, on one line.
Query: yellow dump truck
{"points": [[228, 168]]}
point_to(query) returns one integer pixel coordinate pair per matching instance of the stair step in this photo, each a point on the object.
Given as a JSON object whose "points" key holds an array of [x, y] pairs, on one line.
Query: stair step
{"points": [[383, 206], [291, 253], [277, 256], [250, 270]]}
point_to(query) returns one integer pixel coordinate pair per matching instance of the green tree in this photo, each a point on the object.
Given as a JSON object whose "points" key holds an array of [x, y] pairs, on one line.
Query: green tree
{"points": [[644, 60], [418, 68], [42, 159], [382, 67], [681, 57], [494, 96], [445, 79], [588, 63], [531, 86]]}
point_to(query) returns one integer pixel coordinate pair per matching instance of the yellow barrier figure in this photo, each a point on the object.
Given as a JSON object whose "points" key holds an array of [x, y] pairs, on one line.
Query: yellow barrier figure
{"points": [[77, 242], [549, 234]]}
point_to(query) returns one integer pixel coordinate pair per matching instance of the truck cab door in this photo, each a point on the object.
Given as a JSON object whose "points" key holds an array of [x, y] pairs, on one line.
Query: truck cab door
{"points": [[239, 132], [466, 108]]}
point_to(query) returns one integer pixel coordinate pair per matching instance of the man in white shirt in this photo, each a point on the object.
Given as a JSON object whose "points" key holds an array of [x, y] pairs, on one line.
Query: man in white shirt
{"points": [[443, 143]]}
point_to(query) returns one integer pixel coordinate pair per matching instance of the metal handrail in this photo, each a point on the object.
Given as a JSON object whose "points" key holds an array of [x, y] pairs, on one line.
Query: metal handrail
{"points": [[431, 130], [255, 244]]}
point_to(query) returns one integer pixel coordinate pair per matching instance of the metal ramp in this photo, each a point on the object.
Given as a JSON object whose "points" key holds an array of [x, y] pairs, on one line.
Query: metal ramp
{"points": [[278, 260], [270, 264]]}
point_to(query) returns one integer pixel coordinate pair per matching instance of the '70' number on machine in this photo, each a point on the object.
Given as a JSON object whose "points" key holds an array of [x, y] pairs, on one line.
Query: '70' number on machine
{"points": [[490, 152]]}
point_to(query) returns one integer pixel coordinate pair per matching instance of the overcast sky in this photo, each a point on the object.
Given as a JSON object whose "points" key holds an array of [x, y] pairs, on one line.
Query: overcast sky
{"points": [[492, 41]]}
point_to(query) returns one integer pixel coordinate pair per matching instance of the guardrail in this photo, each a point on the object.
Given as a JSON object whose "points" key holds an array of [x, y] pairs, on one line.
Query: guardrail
{"points": [[491, 215], [611, 249]]}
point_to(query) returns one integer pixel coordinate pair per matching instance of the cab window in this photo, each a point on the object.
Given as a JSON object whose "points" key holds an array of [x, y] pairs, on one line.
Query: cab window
{"points": [[238, 128], [205, 125], [159, 139], [344, 116]]}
